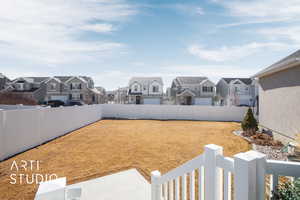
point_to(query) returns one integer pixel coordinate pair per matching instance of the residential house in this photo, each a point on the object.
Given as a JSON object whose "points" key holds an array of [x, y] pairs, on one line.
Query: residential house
{"points": [[189, 90], [62, 88], [145, 90], [102, 97], [279, 98], [121, 95], [3, 81], [237, 91], [29, 87]]}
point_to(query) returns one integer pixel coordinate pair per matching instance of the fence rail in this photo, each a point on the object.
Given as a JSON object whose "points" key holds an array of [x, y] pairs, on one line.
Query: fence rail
{"points": [[214, 178]]}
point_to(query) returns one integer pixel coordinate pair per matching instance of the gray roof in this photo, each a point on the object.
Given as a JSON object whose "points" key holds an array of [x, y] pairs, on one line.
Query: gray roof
{"points": [[65, 78], [36, 79], [145, 80], [190, 80], [287, 62], [247, 81]]}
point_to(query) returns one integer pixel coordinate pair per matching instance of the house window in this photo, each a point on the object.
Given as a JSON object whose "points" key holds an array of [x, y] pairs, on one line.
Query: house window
{"points": [[70, 96], [52, 86], [154, 88], [75, 86], [135, 88], [207, 89], [80, 96]]}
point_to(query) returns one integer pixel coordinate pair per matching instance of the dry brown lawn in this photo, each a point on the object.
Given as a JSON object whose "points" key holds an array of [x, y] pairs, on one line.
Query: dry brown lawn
{"points": [[110, 146]]}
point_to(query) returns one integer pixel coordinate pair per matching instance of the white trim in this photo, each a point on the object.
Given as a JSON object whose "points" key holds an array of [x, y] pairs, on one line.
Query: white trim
{"points": [[277, 68], [79, 78]]}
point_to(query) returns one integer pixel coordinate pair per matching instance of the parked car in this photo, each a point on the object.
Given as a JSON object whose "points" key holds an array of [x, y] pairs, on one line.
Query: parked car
{"points": [[55, 103], [75, 103]]}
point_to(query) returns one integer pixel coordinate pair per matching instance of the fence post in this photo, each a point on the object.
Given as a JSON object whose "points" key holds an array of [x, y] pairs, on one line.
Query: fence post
{"points": [[245, 176], [2, 142], [261, 164], [212, 174], [156, 192]]}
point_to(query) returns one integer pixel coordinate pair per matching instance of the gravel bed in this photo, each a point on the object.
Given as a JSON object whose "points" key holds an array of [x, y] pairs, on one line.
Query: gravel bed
{"points": [[271, 152]]}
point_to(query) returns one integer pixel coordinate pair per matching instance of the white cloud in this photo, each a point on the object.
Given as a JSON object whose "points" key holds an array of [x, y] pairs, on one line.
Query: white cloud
{"points": [[48, 31], [232, 53], [290, 33], [99, 28], [261, 11], [189, 9]]}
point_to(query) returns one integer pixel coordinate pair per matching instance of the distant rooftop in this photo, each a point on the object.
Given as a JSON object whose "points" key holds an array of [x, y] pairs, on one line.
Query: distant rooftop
{"points": [[247, 81]]}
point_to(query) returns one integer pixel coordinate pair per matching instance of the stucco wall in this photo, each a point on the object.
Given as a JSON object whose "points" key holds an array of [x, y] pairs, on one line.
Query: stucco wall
{"points": [[279, 103]]}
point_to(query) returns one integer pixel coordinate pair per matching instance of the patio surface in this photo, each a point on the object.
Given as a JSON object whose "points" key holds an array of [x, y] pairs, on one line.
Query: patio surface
{"points": [[110, 146]]}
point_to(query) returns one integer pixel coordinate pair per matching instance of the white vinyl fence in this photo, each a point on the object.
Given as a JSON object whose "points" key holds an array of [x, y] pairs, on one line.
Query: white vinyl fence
{"points": [[214, 177], [23, 129], [174, 112]]}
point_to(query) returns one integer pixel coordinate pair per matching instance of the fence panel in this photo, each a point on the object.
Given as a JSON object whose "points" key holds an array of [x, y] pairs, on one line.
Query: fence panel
{"points": [[23, 129], [174, 112]]}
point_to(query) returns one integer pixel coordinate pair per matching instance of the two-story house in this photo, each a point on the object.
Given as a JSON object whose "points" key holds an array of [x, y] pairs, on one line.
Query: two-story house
{"points": [[189, 90], [237, 91], [145, 90], [64, 88], [4, 81], [78, 88]]}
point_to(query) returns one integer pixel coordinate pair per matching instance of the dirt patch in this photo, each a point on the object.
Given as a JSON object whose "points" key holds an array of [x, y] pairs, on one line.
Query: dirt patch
{"points": [[109, 146]]}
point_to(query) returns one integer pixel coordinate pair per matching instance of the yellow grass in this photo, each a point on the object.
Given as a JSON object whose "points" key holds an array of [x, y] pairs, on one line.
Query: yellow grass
{"points": [[110, 146]]}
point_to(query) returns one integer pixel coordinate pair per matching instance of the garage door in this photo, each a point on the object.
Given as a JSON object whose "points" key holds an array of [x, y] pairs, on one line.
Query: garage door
{"points": [[59, 97], [203, 101], [152, 101]]}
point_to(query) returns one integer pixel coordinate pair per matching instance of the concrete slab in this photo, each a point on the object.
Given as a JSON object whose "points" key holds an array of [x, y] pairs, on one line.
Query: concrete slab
{"points": [[129, 184]]}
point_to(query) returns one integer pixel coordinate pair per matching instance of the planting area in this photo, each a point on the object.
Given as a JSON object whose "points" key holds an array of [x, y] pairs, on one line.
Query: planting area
{"points": [[109, 146]]}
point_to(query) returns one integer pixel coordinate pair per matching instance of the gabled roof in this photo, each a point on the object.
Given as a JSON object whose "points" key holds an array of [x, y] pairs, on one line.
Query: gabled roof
{"points": [[186, 92], [286, 63], [145, 80], [246, 81], [65, 79], [33, 79], [190, 80]]}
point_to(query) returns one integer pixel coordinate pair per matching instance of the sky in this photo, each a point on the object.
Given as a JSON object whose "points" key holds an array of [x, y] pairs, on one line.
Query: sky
{"points": [[113, 40]]}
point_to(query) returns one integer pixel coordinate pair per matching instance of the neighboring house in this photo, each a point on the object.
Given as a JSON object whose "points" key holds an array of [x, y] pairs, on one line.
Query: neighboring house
{"points": [[110, 97], [121, 95], [237, 91], [279, 98], [193, 91], [62, 88], [4, 81], [29, 87], [102, 96], [145, 90]]}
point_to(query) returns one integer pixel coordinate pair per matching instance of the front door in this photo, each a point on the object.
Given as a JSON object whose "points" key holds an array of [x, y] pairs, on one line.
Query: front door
{"points": [[188, 100], [138, 100]]}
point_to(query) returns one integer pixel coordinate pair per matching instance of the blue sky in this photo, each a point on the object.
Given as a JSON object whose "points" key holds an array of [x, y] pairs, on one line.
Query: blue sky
{"points": [[113, 40]]}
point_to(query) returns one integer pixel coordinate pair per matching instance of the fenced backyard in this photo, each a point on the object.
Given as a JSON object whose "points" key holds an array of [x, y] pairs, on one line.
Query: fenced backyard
{"points": [[173, 148]]}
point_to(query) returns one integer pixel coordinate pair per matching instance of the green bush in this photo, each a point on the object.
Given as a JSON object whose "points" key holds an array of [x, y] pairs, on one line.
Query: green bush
{"points": [[288, 191], [249, 123]]}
